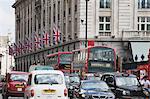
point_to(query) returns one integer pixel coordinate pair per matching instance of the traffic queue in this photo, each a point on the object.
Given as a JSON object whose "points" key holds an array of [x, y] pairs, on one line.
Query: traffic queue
{"points": [[46, 83]]}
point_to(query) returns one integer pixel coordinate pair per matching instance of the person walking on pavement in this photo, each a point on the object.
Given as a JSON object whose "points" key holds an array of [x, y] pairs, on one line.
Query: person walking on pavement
{"points": [[145, 82], [38, 63]]}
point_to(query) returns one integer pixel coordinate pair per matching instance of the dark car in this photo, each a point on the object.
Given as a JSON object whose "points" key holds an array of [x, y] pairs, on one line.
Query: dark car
{"points": [[15, 84], [95, 89], [73, 83], [124, 85]]}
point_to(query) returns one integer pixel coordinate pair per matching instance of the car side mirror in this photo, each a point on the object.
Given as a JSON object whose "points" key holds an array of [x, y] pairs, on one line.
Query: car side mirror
{"points": [[109, 80], [112, 88], [3, 80]]}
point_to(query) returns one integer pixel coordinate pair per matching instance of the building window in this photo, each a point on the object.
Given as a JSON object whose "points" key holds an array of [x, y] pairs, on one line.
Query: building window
{"points": [[105, 3], [105, 26], [143, 4], [144, 23]]}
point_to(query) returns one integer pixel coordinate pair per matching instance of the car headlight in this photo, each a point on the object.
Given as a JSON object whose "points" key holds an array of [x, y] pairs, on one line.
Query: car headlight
{"points": [[82, 91], [71, 87], [111, 97], [125, 92], [146, 92], [83, 95]]}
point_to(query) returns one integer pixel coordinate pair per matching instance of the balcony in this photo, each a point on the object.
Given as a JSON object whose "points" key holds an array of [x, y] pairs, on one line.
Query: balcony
{"points": [[136, 35]]}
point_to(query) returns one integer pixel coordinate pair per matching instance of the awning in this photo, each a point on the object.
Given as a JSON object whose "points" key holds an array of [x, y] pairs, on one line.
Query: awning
{"points": [[139, 48]]}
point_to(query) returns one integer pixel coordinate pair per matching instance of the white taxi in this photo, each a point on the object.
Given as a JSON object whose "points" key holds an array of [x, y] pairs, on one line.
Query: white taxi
{"points": [[46, 84]]}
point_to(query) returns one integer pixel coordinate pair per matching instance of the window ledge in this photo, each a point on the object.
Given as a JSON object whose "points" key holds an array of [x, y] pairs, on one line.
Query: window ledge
{"points": [[104, 10], [144, 10]]}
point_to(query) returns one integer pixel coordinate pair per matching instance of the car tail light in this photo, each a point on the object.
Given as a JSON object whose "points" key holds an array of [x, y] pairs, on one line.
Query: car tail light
{"points": [[32, 92], [65, 92]]}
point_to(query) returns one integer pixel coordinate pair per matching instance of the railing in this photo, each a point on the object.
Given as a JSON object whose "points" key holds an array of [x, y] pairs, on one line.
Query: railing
{"points": [[136, 34]]}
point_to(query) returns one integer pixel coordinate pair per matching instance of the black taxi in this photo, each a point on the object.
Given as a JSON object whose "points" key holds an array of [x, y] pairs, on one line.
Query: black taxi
{"points": [[124, 85]]}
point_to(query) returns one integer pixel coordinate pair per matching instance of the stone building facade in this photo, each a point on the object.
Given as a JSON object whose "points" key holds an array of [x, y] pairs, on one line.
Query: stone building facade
{"points": [[113, 23]]}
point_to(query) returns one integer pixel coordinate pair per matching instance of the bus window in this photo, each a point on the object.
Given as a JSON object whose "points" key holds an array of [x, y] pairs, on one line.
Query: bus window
{"points": [[61, 60], [99, 58], [65, 57]]}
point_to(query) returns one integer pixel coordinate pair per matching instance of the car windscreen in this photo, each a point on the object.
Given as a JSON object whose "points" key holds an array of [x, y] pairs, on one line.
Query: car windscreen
{"points": [[1, 77], [67, 79], [43, 68], [93, 78], [74, 79], [48, 79], [126, 81], [18, 77], [95, 85]]}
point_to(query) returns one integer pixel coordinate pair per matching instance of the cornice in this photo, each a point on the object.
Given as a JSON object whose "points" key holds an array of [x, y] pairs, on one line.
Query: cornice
{"points": [[17, 3]]}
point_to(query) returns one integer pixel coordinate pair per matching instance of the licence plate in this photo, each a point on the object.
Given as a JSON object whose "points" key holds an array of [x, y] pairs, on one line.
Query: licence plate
{"points": [[19, 89], [49, 97], [49, 91], [19, 86]]}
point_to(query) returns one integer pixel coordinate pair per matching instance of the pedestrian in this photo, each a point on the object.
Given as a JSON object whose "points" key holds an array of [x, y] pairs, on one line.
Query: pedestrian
{"points": [[38, 63], [34, 63], [145, 82]]}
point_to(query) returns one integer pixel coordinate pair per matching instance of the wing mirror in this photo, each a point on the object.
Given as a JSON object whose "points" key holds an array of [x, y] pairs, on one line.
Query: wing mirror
{"points": [[109, 80], [3, 80]]}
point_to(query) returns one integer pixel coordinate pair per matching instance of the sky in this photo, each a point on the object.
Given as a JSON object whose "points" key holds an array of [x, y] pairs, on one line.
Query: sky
{"points": [[7, 18]]}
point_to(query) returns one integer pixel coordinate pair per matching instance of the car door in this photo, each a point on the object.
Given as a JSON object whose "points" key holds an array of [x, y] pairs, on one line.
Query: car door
{"points": [[27, 90]]}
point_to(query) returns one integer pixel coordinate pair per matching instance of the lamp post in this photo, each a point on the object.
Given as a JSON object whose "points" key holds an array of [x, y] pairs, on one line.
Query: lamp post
{"points": [[1, 55], [86, 22], [6, 60]]}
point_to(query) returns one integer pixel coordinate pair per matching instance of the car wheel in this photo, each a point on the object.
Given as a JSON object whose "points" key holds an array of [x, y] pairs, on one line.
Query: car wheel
{"points": [[4, 96]]}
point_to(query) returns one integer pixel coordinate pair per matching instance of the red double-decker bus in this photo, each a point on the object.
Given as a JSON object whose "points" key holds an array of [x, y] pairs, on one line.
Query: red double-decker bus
{"points": [[94, 59], [60, 61]]}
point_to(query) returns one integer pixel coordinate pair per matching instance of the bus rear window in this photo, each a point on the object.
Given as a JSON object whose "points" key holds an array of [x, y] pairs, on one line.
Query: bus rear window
{"points": [[65, 57], [103, 54]]}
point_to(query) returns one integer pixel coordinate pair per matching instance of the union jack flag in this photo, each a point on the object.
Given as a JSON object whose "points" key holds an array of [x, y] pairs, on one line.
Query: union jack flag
{"points": [[46, 39], [42, 39], [37, 41], [56, 35], [27, 44], [11, 50], [16, 49], [21, 47]]}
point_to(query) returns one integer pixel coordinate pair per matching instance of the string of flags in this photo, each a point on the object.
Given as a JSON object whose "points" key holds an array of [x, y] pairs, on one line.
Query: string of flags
{"points": [[35, 42]]}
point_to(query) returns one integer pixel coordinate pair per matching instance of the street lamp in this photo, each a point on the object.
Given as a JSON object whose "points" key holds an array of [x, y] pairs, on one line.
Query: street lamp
{"points": [[6, 60], [1, 55], [86, 23]]}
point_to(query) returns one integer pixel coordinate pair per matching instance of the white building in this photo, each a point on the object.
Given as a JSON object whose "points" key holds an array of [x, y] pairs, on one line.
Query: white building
{"points": [[115, 23], [6, 60]]}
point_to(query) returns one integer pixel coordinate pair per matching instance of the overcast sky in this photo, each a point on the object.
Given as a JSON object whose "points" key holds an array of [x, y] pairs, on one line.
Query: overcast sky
{"points": [[7, 17]]}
